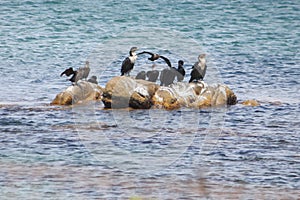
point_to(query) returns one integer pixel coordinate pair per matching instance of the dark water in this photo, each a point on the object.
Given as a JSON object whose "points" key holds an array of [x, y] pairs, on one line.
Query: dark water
{"points": [[85, 152]]}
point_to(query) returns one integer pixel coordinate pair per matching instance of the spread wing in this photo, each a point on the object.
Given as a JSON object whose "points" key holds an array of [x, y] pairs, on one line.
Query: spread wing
{"points": [[166, 60], [147, 52], [67, 72]]}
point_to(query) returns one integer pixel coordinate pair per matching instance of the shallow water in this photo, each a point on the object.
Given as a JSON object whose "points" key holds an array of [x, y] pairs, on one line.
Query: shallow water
{"points": [[86, 152]]}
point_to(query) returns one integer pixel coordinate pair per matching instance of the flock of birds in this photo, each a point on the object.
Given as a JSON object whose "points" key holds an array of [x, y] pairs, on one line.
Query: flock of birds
{"points": [[166, 77]]}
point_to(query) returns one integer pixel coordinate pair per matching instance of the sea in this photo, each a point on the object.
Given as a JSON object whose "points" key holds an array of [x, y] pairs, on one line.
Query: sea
{"points": [[87, 152]]}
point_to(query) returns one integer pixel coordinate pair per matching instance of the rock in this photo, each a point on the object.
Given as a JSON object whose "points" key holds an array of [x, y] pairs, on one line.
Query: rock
{"points": [[122, 92], [250, 102], [82, 91], [194, 95]]}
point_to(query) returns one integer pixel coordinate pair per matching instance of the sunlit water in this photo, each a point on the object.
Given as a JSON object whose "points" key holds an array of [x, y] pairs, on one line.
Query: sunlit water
{"points": [[87, 152]]}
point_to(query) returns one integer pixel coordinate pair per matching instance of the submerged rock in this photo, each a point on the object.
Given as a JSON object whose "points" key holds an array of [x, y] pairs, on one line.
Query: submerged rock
{"points": [[250, 102], [82, 91]]}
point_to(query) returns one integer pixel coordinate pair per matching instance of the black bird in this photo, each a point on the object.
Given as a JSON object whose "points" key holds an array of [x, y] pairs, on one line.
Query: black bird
{"points": [[155, 56], [93, 79], [81, 73], [75, 77], [153, 74], [181, 71], [68, 72], [199, 69], [167, 76], [141, 75], [128, 63]]}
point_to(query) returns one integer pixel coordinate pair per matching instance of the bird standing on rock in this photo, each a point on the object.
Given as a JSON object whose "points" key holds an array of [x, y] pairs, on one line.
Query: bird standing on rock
{"points": [[128, 63], [93, 79], [81, 73], [153, 74], [85, 70], [199, 69], [181, 71], [141, 75], [167, 76]]}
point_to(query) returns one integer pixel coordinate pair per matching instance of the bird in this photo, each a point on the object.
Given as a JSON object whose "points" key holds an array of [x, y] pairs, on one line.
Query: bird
{"points": [[152, 74], [141, 75], [181, 71], [67, 72], [85, 70], [93, 79], [199, 69], [128, 62], [155, 56], [167, 76], [81, 73], [76, 77]]}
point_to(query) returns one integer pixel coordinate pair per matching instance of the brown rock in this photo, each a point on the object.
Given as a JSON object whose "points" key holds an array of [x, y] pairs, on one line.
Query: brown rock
{"points": [[164, 98], [122, 91], [82, 91], [195, 95]]}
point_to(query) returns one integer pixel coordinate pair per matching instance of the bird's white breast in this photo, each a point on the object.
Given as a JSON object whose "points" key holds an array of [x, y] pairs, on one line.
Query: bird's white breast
{"points": [[133, 58]]}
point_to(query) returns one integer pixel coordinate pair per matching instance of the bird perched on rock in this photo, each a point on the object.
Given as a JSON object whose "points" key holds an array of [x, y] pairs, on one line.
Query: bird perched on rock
{"points": [[155, 56], [167, 76], [85, 70], [199, 69], [141, 75], [81, 73], [93, 79], [152, 74], [128, 62], [181, 71]]}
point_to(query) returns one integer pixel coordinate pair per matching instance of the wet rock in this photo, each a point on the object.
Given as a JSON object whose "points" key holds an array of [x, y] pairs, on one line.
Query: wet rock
{"points": [[82, 91], [122, 92], [194, 95]]}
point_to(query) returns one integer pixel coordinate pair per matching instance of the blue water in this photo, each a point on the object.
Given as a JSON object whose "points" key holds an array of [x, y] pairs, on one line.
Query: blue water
{"points": [[86, 152]]}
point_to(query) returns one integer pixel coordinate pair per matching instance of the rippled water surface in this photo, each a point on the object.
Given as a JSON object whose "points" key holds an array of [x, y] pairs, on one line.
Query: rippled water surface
{"points": [[86, 152]]}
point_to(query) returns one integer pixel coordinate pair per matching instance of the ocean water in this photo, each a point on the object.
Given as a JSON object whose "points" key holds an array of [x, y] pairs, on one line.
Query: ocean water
{"points": [[86, 152]]}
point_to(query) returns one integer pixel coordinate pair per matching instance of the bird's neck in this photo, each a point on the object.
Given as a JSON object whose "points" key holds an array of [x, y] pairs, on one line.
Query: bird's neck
{"points": [[132, 54], [133, 58], [202, 61]]}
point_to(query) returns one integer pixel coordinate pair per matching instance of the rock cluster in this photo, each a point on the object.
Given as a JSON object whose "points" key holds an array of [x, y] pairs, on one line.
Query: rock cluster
{"points": [[122, 92]]}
